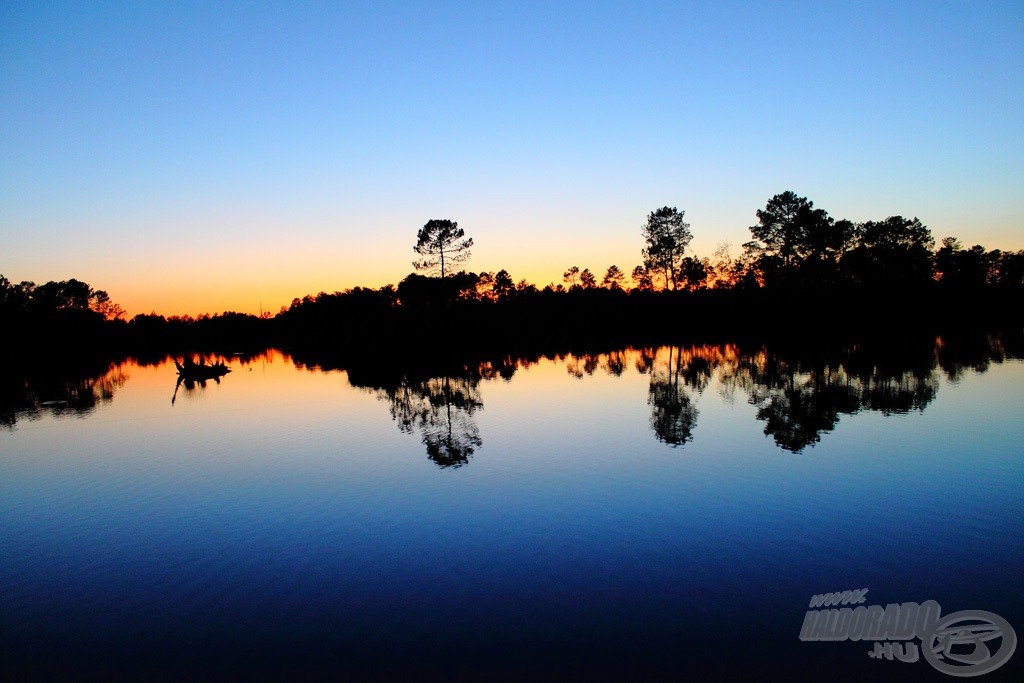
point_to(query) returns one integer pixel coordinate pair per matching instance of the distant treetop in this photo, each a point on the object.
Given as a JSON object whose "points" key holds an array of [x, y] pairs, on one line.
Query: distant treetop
{"points": [[442, 244]]}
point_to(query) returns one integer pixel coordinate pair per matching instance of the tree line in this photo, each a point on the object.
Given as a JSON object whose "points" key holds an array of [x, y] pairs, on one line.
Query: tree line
{"points": [[71, 296], [796, 252], [793, 244]]}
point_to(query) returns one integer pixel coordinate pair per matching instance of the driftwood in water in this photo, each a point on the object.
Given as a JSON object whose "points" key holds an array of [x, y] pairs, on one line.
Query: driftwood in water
{"points": [[190, 373], [189, 369]]}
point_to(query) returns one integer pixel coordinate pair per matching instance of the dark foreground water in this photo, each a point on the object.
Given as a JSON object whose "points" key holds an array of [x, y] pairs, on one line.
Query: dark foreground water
{"points": [[642, 514]]}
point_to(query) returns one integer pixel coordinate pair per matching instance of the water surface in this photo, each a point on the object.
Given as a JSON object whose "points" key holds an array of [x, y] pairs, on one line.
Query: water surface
{"points": [[659, 512]]}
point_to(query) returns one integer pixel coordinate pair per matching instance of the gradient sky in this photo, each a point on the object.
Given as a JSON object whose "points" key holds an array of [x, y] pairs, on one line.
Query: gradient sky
{"points": [[194, 157]]}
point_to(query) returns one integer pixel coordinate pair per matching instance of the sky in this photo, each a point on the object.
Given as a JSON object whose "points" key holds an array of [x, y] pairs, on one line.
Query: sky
{"points": [[195, 157]]}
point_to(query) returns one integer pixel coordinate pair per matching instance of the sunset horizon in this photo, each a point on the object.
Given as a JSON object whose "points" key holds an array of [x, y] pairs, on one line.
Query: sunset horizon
{"points": [[197, 159], [269, 283]]}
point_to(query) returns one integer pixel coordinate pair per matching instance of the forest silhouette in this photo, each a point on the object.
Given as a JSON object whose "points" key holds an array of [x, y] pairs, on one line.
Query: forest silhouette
{"points": [[802, 272]]}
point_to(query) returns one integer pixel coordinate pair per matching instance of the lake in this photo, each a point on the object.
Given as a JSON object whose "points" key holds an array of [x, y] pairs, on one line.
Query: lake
{"points": [[639, 513]]}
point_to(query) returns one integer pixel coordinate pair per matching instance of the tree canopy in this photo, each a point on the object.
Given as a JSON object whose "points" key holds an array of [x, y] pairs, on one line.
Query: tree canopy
{"points": [[893, 252], [666, 236], [442, 244], [791, 233], [613, 278], [63, 295]]}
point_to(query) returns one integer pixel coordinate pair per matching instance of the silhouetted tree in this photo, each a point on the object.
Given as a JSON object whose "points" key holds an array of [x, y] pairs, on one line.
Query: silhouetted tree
{"points": [[587, 279], [1007, 269], [642, 279], [570, 275], [419, 292], [102, 304], [962, 268], [789, 231], [693, 273], [666, 237], [485, 286], [70, 294], [525, 288], [613, 278], [503, 286], [721, 268], [442, 244], [747, 271], [782, 226], [826, 244], [15, 297], [845, 236], [65, 314], [892, 253]]}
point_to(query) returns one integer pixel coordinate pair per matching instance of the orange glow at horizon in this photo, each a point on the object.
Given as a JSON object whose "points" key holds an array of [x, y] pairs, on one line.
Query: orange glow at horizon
{"points": [[253, 292], [208, 270]]}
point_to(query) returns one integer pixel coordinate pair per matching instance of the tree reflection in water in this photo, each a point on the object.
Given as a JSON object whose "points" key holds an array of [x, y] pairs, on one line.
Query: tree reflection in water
{"points": [[58, 390], [799, 391], [676, 374], [801, 394], [441, 409], [438, 406]]}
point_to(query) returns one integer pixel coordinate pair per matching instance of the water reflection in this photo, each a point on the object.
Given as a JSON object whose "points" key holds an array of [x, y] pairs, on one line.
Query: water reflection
{"points": [[960, 353], [439, 407], [800, 398], [193, 373], [800, 392], [58, 389], [677, 376]]}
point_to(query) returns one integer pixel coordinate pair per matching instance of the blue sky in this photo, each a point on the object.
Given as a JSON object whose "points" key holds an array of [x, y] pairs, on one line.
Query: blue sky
{"points": [[205, 156]]}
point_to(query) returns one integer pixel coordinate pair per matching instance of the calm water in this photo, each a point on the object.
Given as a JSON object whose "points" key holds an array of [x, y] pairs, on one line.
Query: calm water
{"points": [[662, 513]]}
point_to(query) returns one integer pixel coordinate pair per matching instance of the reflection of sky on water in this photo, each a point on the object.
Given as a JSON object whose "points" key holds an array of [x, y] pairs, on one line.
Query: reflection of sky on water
{"points": [[285, 504]]}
